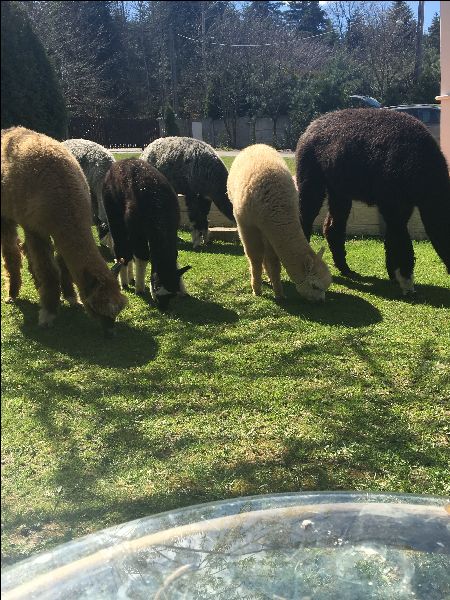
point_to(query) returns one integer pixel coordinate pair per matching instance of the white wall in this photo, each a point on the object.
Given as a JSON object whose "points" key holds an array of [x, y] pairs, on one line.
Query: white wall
{"points": [[445, 80]]}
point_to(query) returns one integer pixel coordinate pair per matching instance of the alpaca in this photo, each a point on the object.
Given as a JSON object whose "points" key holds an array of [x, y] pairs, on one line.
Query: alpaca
{"points": [[95, 160], [383, 158], [195, 170], [265, 205], [143, 217], [45, 191]]}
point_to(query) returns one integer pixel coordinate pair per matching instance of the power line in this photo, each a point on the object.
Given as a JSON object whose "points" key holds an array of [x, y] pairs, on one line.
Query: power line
{"points": [[248, 45]]}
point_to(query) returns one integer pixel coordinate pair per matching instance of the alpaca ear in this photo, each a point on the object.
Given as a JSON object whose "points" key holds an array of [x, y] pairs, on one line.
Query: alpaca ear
{"points": [[183, 270], [321, 252], [309, 264]]}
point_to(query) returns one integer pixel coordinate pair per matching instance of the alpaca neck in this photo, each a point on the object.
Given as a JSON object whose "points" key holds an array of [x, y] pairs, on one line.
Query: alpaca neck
{"points": [[292, 248], [79, 253]]}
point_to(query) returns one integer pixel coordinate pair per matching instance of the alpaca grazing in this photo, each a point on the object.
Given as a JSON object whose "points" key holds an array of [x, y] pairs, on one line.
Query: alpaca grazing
{"points": [[143, 217], [45, 192], [265, 205], [95, 160], [383, 158], [195, 170]]}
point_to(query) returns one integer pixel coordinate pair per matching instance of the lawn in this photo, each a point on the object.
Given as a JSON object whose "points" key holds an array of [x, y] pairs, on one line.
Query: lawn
{"points": [[226, 395], [226, 159]]}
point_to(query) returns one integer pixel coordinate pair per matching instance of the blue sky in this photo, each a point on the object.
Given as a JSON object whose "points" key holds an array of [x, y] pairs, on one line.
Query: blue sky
{"points": [[431, 8]]}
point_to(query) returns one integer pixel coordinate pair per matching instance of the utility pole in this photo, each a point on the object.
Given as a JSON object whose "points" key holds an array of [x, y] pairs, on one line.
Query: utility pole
{"points": [[173, 69], [203, 36], [419, 41]]}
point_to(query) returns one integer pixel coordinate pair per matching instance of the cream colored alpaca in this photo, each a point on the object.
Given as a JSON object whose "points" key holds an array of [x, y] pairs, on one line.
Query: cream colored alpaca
{"points": [[44, 190], [265, 205]]}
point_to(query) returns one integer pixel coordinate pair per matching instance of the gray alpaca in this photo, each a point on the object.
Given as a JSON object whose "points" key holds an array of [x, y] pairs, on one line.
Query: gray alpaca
{"points": [[95, 161], [195, 170]]}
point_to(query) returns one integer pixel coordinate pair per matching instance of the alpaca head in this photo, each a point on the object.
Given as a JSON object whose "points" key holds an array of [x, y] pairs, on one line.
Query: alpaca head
{"points": [[102, 298], [317, 277], [163, 291]]}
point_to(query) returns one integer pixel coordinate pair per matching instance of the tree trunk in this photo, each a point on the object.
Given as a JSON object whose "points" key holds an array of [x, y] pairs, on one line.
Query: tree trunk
{"points": [[419, 42]]}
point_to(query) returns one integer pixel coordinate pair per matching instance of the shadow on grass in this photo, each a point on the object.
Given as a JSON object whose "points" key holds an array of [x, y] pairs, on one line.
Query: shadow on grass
{"points": [[213, 247], [338, 309], [362, 443], [77, 335], [193, 310], [432, 295], [202, 312]]}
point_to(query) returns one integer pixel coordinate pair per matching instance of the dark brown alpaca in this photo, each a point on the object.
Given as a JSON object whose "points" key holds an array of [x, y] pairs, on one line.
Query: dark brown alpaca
{"points": [[45, 192], [382, 158]]}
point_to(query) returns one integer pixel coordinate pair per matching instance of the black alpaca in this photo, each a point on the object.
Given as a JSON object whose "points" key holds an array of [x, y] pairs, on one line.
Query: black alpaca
{"points": [[143, 216], [383, 158]]}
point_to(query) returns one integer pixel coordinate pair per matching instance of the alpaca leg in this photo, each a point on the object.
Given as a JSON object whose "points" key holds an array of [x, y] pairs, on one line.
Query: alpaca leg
{"points": [[131, 272], [46, 275], [197, 218], [67, 287], [397, 243], [272, 267], [400, 256], [254, 249], [141, 266], [311, 196], [124, 280], [334, 230], [12, 258], [204, 206]]}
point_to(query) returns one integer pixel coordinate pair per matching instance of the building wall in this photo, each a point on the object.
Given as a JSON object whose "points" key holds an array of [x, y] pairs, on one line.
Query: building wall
{"points": [[363, 221], [445, 80]]}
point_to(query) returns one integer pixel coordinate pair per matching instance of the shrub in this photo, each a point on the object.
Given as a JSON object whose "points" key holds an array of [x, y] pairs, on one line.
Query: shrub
{"points": [[30, 93]]}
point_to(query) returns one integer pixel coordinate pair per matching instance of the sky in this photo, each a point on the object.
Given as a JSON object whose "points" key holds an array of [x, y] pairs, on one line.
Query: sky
{"points": [[430, 9]]}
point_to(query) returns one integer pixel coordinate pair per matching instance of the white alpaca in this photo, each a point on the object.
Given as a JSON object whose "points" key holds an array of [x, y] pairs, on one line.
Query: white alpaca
{"points": [[265, 205]]}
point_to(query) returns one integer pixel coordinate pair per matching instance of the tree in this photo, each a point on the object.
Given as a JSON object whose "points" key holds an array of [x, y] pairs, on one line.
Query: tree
{"points": [[322, 92], [30, 93], [276, 66], [307, 16], [433, 36], [264, 10], [170, 122], [83, 45]]}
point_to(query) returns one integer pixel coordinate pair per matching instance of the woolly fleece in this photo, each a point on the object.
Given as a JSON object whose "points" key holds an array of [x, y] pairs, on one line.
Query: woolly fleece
{"points": [[95, 160], [383, 158], [45, 191], [195, 170], [265, 205]]}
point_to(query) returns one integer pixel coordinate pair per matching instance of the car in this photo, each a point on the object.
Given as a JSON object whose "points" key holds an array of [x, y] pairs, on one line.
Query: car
{"points": [[429, 114]]}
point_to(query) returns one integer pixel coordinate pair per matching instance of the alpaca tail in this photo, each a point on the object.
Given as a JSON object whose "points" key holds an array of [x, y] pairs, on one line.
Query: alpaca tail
{"points": [[436, 220]]}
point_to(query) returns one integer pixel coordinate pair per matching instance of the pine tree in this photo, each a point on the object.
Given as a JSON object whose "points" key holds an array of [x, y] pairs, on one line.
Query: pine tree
{"points": [[264, 10], [82, 43], [307, 16], [30, 93], [433, 36]]}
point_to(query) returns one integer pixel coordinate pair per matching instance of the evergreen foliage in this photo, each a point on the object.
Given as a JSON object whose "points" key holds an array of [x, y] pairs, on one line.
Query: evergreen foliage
{"points": [[229, 60], [170, 122], [30, 92], [307, 16]]}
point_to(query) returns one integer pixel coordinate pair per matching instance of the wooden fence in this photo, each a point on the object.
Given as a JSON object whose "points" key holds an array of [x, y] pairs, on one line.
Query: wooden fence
{"points": [[115, 132]]}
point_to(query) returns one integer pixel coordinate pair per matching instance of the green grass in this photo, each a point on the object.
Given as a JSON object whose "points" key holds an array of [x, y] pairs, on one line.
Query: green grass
{"points": [[122, 155], [228, 160], [226, 395]]}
